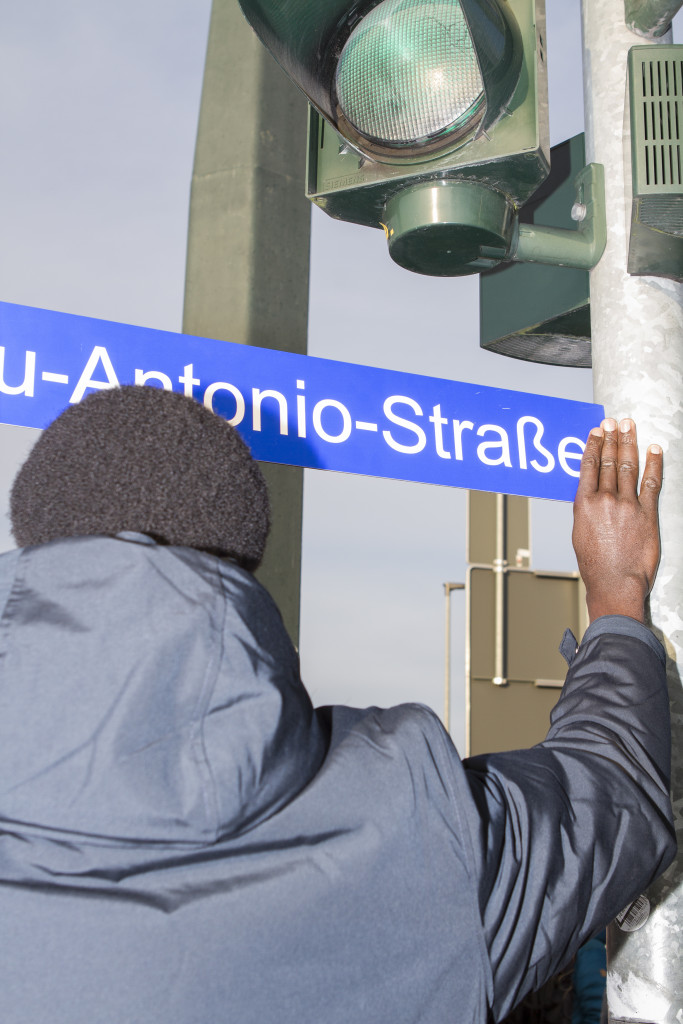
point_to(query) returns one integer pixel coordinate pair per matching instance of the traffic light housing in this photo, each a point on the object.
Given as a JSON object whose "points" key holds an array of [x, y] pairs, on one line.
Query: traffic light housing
{"points": [[533, 311], [656, 106], [400, 77], [429, 119]]}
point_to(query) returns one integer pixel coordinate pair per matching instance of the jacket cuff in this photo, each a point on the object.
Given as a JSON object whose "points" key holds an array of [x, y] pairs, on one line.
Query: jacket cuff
{"points": [[622, 625]]}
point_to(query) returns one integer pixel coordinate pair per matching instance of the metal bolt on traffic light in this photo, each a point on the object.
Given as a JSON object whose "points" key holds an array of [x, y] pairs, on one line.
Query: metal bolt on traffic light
{"points": [[429, 120]]}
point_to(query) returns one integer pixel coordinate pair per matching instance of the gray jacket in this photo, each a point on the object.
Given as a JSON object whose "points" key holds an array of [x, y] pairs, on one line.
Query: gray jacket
{"points": [[183, 839]]}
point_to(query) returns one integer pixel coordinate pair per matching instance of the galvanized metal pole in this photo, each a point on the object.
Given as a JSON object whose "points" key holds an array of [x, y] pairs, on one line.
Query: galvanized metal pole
{"points": [[248, 241], [637, 341]]}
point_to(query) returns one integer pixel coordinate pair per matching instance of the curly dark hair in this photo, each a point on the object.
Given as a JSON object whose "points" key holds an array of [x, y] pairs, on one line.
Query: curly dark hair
{"points": [[147, 460]]}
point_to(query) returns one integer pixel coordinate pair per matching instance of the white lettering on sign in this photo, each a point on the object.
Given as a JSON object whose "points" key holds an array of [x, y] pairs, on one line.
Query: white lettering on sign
{"points": [[27, 386], [144, 378], [458, 427], [388, 408], [257, 397], [345, 432], [563, 454], [86, 380], [188, 380], [400, 424], [240, 407], [502, 444], [438, 420], [550, 461], [301, 410]]}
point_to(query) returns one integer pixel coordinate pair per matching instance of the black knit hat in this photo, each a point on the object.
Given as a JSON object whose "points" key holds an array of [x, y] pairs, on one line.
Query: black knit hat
{"points": [[148, 460]]}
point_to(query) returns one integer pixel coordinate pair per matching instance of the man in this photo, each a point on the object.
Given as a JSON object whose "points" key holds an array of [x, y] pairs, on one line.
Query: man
{"points": [[184, 839]]}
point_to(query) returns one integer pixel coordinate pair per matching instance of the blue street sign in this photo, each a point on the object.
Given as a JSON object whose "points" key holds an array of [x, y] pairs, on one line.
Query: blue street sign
{"points": [[304, 411]]}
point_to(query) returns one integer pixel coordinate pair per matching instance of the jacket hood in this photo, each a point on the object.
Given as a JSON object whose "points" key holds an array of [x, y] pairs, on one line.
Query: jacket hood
{"points": [[147, 694]]}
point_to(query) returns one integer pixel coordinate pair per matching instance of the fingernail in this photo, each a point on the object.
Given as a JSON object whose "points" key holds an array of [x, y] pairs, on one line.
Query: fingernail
{"points": [[609, 424], [655, 449], [625, 426], [596, 431]]}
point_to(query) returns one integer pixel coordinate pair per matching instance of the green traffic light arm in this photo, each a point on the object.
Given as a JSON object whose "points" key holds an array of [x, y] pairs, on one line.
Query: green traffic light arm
{"points": [[581, 248], [650, 18]]}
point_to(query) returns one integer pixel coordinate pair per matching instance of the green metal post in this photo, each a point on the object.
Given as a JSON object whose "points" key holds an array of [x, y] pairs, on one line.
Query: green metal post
{"points": [[248, 241]]}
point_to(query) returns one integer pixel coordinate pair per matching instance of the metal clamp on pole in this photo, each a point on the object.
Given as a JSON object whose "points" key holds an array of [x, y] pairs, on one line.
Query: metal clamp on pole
{"points": [[581, 248], [651, 18]]}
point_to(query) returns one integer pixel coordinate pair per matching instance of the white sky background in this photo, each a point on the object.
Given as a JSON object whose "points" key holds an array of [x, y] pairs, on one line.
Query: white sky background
{"points": [[98, 113]]}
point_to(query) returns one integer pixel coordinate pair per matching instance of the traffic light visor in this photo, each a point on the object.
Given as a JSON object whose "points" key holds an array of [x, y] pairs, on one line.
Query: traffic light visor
{"points": [[399, 79], [409, 73]]}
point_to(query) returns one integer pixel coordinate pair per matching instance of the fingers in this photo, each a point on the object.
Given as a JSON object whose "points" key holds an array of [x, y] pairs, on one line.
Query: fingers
{"points": [[651, 484], [627, 459], [589, 472], [599, 463], [610, 464], [608, 459]]}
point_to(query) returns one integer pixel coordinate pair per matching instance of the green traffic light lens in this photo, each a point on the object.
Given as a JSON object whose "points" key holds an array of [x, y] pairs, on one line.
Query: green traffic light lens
{"points": [[409, 73]]}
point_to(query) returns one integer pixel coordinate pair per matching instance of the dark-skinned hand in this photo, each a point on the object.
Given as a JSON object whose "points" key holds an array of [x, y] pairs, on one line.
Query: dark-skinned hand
{"points": [[616, 527]]}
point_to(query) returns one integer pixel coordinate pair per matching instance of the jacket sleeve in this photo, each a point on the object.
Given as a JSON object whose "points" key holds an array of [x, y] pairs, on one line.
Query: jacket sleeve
{"points": [[567, 833]]}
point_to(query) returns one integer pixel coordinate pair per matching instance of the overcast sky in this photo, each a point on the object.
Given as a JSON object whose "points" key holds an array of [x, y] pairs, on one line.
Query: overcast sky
{"points": [[98, 113]]}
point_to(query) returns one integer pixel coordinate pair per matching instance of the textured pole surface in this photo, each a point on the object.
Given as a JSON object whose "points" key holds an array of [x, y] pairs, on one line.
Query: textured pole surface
{"points": [[637, 340], [248, 241]]}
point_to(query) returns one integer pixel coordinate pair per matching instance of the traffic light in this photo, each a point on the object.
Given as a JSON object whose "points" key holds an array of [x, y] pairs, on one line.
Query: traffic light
{"points": [[428, 119]]}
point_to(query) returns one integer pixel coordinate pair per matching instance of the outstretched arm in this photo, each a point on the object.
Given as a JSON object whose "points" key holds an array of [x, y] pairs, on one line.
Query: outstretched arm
{"points": [[567, 833]]}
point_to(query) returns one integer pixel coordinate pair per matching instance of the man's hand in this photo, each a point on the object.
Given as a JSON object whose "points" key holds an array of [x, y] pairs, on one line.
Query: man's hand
{"points": [[616, 530]]}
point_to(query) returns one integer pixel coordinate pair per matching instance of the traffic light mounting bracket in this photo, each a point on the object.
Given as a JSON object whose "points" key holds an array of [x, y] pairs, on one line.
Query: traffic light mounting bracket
{"points": [[581, 248], [650, 18]]}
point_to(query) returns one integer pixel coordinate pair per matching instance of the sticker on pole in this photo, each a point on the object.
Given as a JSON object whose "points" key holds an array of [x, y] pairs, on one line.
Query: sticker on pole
{"points": [[303, 411]]}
